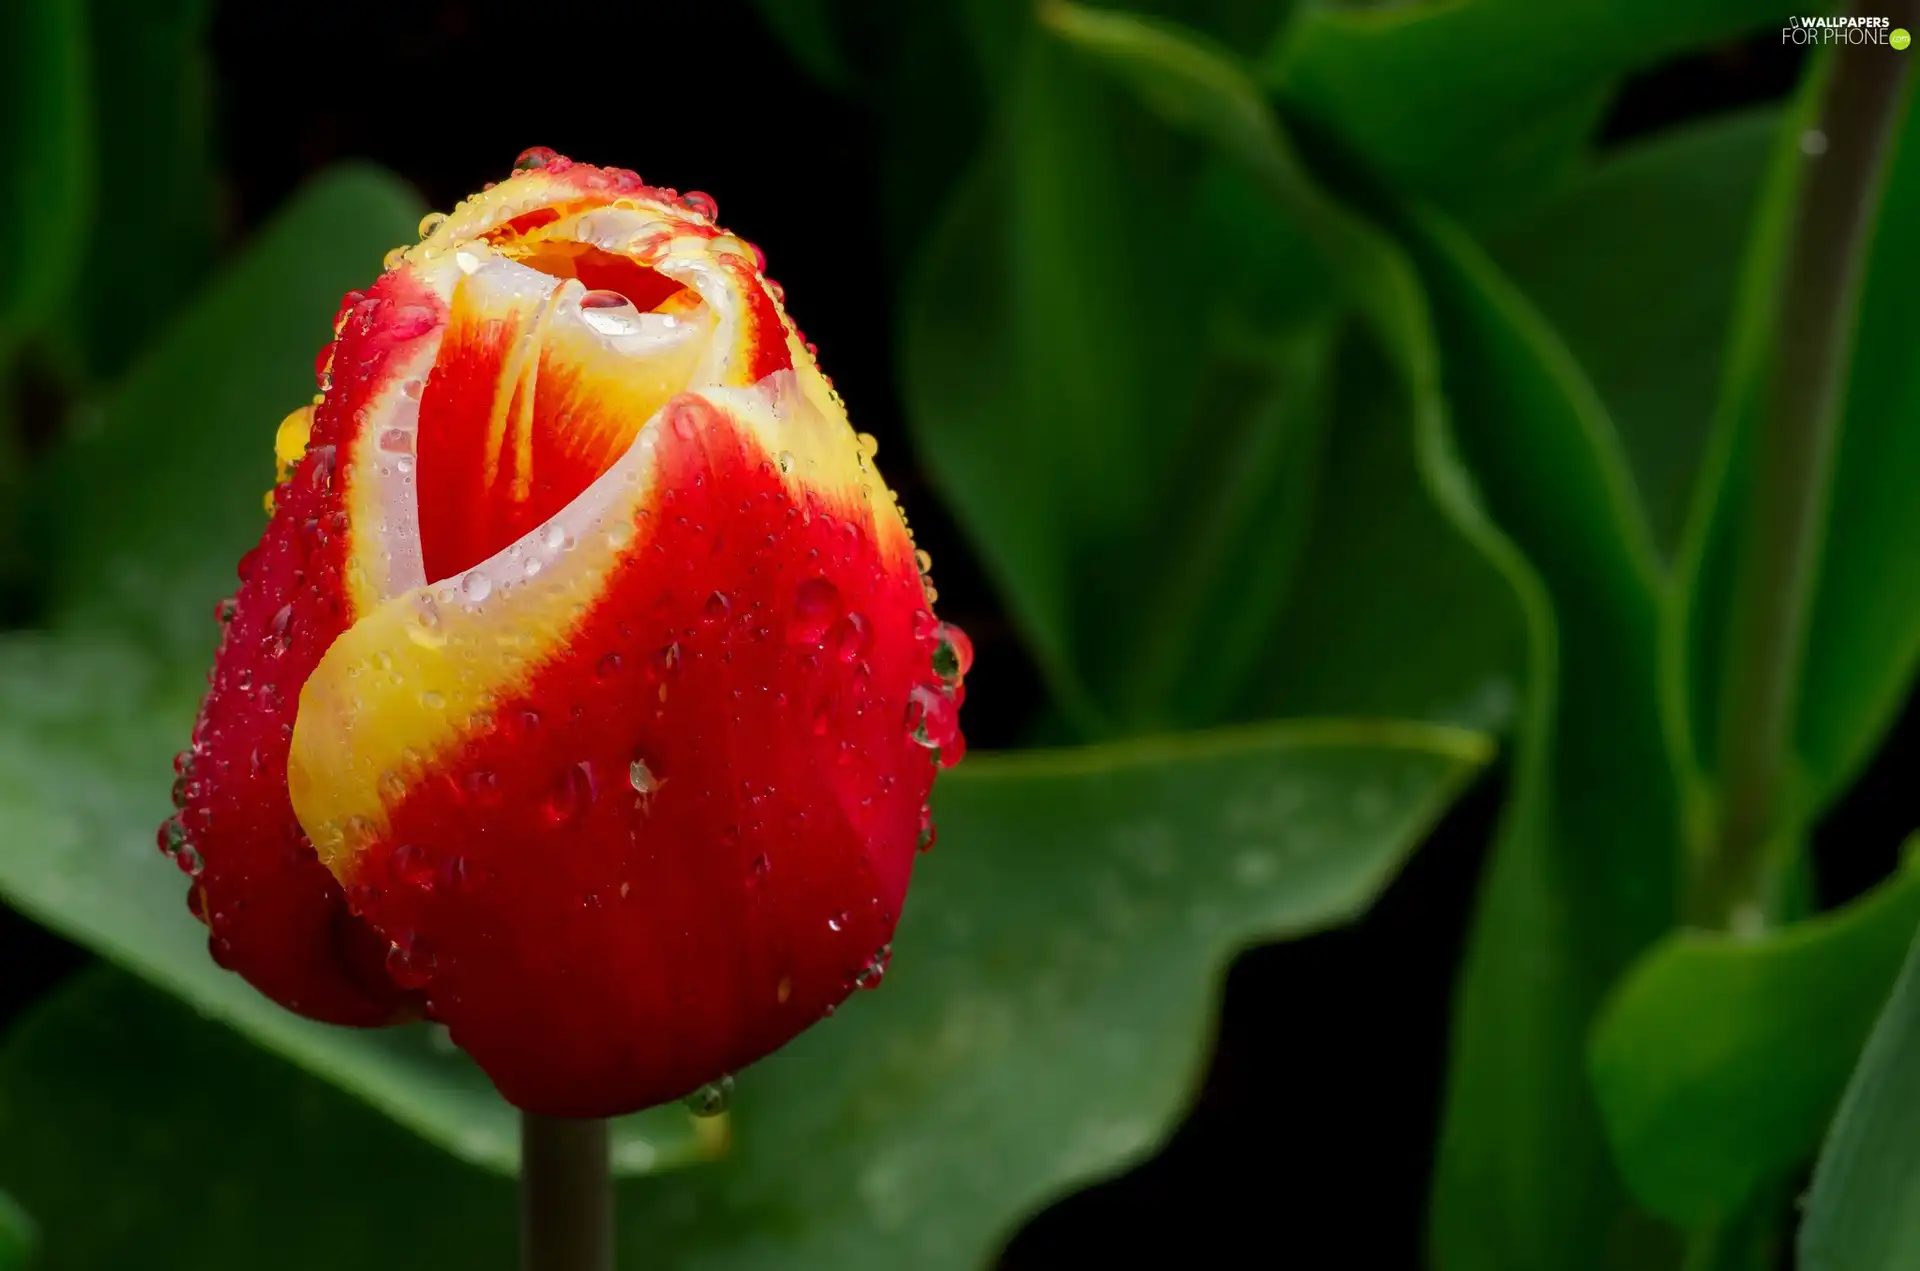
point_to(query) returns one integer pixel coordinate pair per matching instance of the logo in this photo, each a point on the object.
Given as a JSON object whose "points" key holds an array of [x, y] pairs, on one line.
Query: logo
{"points": [[1847, 30]]}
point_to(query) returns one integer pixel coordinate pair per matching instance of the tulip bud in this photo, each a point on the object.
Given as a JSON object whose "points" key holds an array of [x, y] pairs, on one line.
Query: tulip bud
{"points": [[583, 693]]}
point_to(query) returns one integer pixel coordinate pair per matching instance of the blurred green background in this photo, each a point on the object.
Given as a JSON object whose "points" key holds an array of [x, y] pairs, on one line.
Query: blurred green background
{"points": [[1345, 432]]}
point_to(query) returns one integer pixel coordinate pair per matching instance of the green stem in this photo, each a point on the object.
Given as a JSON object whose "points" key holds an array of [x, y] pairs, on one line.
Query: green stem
{"points": [[1793, 457], [566, 1195]]}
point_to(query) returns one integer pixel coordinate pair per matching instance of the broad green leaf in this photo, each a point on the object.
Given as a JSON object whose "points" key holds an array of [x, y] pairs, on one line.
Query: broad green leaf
{"points": [[1381, 560], [806, 27], [147, 516], [1109, 421], [1026, 1039], [146, 513], [152, 235], [1634, 266], [17, 1235], [1581, 878], [88, 725], [1719, 1059], [46, 132], [1863, 1211], [1484, 105]]}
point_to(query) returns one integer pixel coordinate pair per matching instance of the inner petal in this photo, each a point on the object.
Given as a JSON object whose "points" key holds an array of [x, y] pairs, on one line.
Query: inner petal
{"points": [[549, 367]]}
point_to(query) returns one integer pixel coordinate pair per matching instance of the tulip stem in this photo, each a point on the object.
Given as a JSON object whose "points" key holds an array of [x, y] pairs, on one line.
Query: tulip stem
{"points": [[1793, 457], [566, 1195]]}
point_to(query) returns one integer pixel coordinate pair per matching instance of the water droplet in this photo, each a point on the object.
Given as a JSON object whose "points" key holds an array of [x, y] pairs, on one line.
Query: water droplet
{"points": [[685, 420], [391, 261], [408, 863], [534, 157], [172, 836], [433, 700], [928, 834], [182, 792], [933, 720], [849, 637], [482, 787], [280, 630], [786, 461], [608, 667], [431, 222], [555, 538], [467, 261], [759, 868], [609, 313], [717, 607], [224, 611], [783, 990], [815, 605], [476, 586], [700, 203], [320, 475], [641, 777], [875, 970], [838, 922], [711, 1099], [573, 791], [667, 660], [409, 963], [188, 859], [411, 390], [952, 653]]}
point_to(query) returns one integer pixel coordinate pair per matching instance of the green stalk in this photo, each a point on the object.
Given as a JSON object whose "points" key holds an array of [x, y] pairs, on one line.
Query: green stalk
{"points": [[566, 1195], [1785, 514]]}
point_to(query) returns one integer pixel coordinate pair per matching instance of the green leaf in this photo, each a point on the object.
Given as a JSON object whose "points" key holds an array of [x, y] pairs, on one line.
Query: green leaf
{"points": [[148, 510], [89, 726], [1581, 878], [1027, 1039], [806, 27], [1382, 559], [1482, 107], [17, 1235], [1634, 266], [1719, 1059], [1863, 1211], [46, 184], [148, 514], [1109, 422], [153, 233]]}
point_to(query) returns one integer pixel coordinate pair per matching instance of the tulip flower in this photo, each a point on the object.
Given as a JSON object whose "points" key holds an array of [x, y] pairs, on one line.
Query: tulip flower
{"points": [[583, 693]]}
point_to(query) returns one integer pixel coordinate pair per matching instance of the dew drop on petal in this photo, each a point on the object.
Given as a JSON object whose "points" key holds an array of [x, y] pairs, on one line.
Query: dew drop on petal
{"points": [[431, 222], [711, 1099], [952, 653], [609, 313], [875, 970], [717, 607], [700, 203], [815, 605], [849, 637], [476, 586], [838, 922], [642, 777], [534, 157], [410, 865]]}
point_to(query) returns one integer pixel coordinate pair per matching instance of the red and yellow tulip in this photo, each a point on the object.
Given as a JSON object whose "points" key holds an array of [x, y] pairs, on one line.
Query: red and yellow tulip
{"points": [[584, 692]]}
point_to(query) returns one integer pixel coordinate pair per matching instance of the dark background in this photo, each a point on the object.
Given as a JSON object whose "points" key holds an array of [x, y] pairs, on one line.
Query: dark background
{"points": [[1325, 1086]]}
